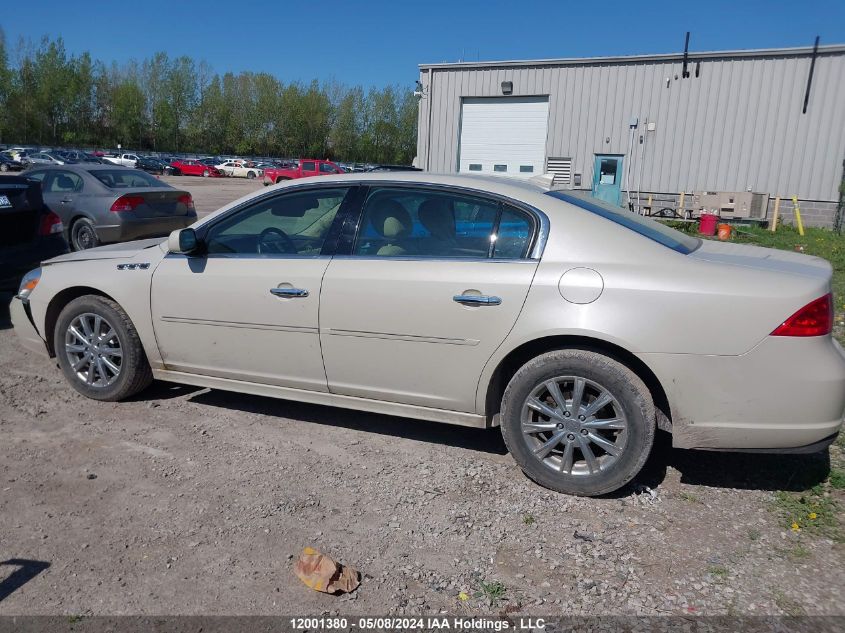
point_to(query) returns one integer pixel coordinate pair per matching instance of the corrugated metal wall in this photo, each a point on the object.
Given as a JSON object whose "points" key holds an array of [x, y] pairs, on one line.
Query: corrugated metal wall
{"points": [[739, 124]]}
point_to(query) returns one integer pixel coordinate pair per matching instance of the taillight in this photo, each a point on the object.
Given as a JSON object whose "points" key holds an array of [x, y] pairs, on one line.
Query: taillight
{"points": [[50, 224], [127, 203], [188, 201], [814, 319]]}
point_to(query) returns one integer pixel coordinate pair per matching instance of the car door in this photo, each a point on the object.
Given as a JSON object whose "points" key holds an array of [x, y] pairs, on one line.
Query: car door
{"points": [[246, 308], [432, 283], [308, 168], [61, 191]]}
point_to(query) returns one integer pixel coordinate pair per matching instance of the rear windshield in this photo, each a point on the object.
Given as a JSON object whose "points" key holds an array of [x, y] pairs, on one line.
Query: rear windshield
{"points": [[646, 227], [126, 178]]}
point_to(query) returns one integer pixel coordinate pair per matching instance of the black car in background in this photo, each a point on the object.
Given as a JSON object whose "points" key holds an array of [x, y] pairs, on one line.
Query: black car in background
{"points": [[7, 163], [156, 166], [29, 231]]}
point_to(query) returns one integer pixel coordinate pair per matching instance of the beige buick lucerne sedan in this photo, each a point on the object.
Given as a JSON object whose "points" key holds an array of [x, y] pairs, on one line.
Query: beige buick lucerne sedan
{"points": [[577, 327]]}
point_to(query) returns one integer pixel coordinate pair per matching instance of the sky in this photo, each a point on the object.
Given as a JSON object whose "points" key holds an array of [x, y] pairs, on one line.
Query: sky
{"points": [[376, 43]]}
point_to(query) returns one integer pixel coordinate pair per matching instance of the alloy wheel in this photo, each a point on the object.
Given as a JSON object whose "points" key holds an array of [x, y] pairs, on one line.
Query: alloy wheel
{"points": [[574, 426], [93, 350]]}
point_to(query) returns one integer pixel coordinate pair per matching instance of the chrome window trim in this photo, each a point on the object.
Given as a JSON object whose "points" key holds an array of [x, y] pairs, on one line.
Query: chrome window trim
{"points": [[453, 260], [259, 256], [535, 252]]}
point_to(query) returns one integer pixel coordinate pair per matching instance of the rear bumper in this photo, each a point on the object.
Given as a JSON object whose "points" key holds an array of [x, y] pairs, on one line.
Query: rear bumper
{"points": [[786, 394], [24, 328], [139, 229]]}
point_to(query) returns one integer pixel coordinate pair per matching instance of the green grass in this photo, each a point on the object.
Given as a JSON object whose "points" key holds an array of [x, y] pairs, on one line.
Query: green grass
{"points": [[754, 534], [689, 497], [528, 519], [492, 592], [720, 571], [814, 512], [837, 477], [788, 605]]}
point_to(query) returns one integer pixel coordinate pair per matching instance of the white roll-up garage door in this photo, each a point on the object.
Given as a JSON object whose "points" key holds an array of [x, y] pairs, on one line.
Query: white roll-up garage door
{"points": [[503, 136]]}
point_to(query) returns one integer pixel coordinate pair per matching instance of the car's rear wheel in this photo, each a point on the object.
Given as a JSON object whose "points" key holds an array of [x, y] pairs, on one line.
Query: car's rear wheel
{"points": [[83, 235], [578, 422], [99, 351]]}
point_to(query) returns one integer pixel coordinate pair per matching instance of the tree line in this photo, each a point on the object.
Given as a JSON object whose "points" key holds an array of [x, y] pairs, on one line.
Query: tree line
{"points": [[51, 98]]}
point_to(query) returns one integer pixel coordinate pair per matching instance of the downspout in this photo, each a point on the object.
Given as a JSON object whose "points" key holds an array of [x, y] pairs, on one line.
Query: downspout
{"points": [[430, 107], [640, 176]]}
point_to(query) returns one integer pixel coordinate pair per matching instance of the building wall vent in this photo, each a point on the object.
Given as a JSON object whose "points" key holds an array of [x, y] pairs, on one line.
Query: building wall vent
{"points": [[562, 170]]}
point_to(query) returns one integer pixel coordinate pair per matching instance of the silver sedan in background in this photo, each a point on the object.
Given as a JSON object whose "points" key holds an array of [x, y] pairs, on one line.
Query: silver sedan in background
{"points": [[101, 204]]}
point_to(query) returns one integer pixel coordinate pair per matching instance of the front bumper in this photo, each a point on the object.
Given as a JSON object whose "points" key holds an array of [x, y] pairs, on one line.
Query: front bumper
{"points": [[142, 228], [25, 329], [785, 395]]}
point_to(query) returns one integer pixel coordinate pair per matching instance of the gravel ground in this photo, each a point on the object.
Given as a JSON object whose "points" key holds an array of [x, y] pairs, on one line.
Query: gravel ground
{"points": [[192, 501]]}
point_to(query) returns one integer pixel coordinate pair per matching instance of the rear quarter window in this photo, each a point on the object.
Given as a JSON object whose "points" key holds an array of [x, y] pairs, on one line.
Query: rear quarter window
{"points": [[655, 231]]}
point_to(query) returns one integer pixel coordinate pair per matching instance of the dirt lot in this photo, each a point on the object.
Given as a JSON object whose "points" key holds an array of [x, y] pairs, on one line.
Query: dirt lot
{"points": [[191, 501]]}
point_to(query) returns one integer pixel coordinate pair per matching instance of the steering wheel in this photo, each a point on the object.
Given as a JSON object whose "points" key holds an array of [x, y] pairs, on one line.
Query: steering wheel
{"points": [[280, 241]]}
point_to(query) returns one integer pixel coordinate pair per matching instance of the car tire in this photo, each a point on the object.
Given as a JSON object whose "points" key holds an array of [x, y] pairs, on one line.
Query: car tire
{"points": [[99, 316], [4, 167], [205, 173], [83, 235], [575, 449], [250, 175]]}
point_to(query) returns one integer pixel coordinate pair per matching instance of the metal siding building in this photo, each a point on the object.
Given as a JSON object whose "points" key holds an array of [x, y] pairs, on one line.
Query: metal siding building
{"points": [[736, 123]]}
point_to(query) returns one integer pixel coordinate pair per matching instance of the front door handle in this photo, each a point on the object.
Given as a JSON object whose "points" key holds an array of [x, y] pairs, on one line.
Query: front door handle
{"points": [[66, 200], [289, 292], [477, 300]]}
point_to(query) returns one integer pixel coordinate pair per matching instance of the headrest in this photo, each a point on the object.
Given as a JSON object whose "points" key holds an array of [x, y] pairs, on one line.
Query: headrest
{"points": [[390, 219]]}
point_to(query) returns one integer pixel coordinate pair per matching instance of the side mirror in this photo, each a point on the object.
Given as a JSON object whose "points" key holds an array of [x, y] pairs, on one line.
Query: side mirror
{"points": [[182, 241]]}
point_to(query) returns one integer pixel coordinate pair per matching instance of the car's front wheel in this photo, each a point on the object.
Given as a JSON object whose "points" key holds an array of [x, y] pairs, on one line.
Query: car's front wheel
{"points": [[250, 175], [578, 422], [205, 173], [83, 235], [99, 351], [4, 167]]}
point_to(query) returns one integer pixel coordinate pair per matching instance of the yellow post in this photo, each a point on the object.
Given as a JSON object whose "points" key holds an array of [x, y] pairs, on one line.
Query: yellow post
{"points": [[797, 211], [681, 205], [775, 214]]}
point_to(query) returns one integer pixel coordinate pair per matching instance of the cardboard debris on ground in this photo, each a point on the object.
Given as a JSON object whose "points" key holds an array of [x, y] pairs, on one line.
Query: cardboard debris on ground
{"points": [[321, 573]]}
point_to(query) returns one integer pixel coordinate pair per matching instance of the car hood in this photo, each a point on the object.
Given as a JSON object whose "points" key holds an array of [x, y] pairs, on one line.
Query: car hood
{"points": [[125, 250], [760, 258]]}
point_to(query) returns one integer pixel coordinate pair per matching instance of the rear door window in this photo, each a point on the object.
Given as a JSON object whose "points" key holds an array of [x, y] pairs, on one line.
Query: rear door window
{"points": [[64, 182], [420, 223]]}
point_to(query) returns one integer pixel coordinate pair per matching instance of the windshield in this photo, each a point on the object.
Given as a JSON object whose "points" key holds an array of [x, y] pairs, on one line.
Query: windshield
{"points": [[126, 178], [646, 227]]}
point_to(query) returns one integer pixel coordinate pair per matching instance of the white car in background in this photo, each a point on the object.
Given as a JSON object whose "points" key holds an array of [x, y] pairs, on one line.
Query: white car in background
{"points": [[240, 169], [578, 327], [127, 160]]}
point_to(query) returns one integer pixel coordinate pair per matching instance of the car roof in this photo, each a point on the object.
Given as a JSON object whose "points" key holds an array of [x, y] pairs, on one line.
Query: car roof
{"points": [[494, 184], [81, 167]]}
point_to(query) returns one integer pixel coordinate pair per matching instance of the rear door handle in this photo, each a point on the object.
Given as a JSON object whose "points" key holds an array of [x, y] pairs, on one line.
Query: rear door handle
{"points": [[289, 292], [477, 300]]}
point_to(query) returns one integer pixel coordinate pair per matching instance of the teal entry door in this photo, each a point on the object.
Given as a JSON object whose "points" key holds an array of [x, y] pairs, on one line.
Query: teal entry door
{"points": [[607, 178]]}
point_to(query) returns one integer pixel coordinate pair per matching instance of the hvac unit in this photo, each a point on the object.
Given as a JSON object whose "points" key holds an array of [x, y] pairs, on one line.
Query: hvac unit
{"points": [[732, 204]]}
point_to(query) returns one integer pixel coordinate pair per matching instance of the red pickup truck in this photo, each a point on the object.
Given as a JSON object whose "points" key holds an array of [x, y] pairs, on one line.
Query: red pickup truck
{"points": [[307, 167]]}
